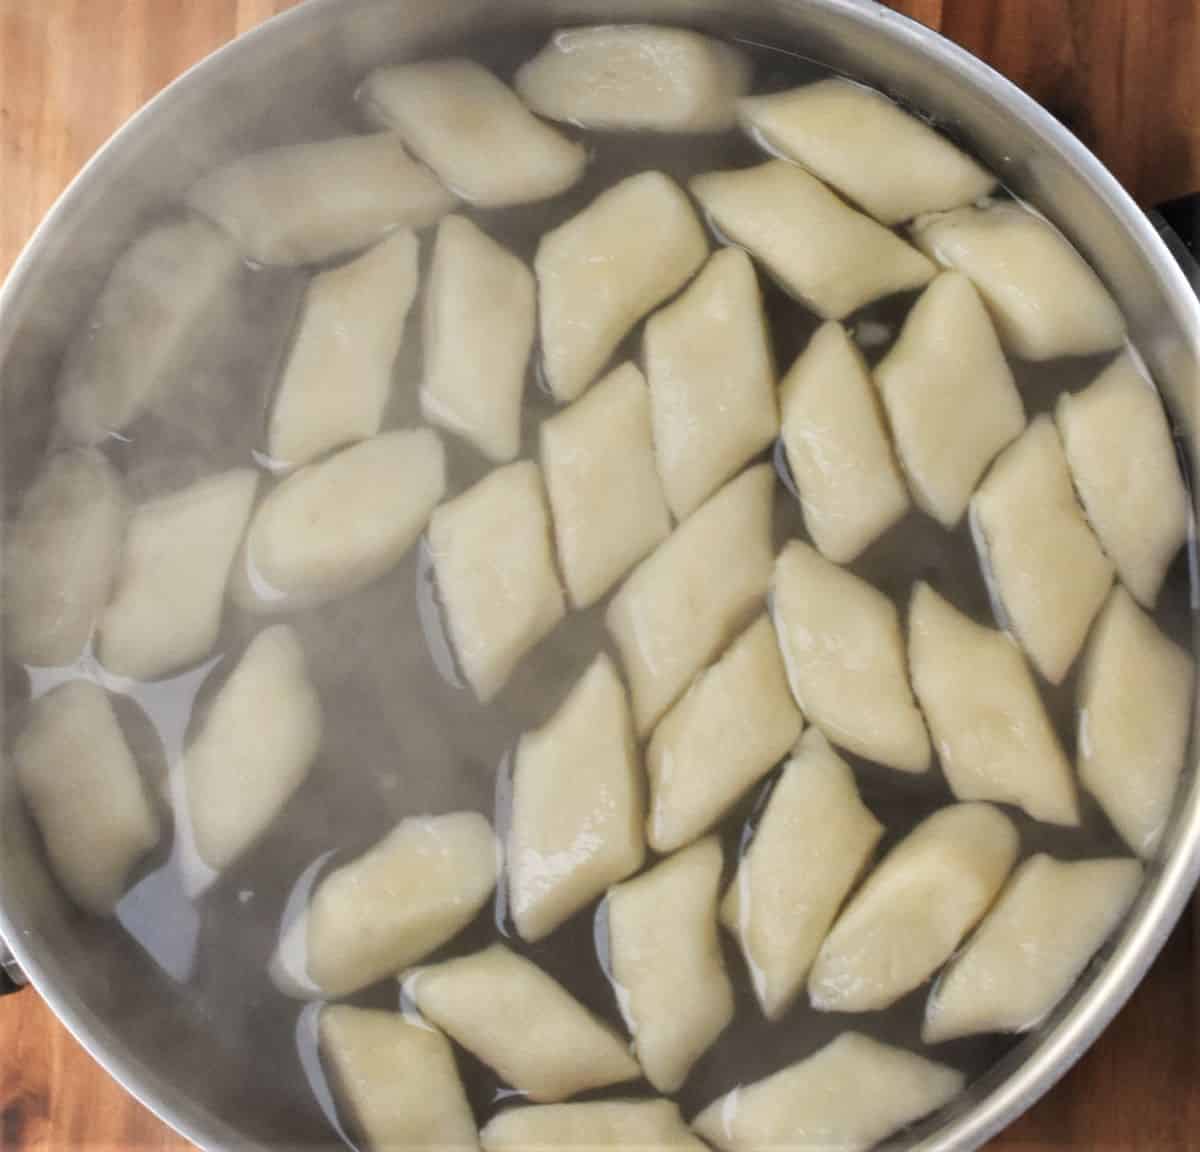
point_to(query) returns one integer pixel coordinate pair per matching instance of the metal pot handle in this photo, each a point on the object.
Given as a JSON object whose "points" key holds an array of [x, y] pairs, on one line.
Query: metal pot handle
{"points": [[12, 979]]}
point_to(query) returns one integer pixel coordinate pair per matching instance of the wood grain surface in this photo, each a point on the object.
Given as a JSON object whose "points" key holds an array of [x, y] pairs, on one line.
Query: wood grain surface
{"points": [[1123, 74]]}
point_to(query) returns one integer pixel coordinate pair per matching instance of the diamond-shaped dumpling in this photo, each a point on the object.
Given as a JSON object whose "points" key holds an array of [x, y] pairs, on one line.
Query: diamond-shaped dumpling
{"points": [[618, 1124]]}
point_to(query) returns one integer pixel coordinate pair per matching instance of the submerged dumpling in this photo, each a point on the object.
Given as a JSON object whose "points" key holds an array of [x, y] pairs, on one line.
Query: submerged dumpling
{"points": [[1124, 465], [837, 446], [306, 203], [1043, 295], [1135, 710], [850, 1095], [886, 160], [1048, 923], [712, 381], [598, 274], [338, 376], [828, 256], [811, 845], [636, 77], [479, 321], [666, 962], [1045, 562], [86, 794], [473, 132], [507, 1012], [844, 653], [60, 558], [576, 805], [989, 725], [619, 1124], [907, 919]]}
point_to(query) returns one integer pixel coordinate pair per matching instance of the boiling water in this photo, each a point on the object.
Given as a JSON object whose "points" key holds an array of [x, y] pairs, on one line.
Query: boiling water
{"points": [[403, 735]]}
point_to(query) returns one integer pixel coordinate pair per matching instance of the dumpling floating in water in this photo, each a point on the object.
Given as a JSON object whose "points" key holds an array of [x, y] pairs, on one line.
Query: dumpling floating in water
{"points": [[617, 1124]]}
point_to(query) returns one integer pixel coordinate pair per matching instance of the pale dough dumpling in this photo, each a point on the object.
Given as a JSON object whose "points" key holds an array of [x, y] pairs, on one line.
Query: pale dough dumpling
{"points": [[712, 381], [1048, 923], [636, 77], [495, 573], [60, 558], [86, 794], [837, 447], [887, 161], [478, 326], [507, 1012], [912, 912], [395, 1080], [166, 608], [474, 132], [598, 274], [1043, 295], [373, 917], [682, 604], [1135, 710], [576, 805], [850, 1095], [731, 727], [1044, 560], [254, 748], [1124, 465], [828, 256], [810, 847], [950, 396], [338, 375], [338, 524], [155, 298], [606, 498], [844, 654], [620, 1124], [666, 962], [306, 203]]}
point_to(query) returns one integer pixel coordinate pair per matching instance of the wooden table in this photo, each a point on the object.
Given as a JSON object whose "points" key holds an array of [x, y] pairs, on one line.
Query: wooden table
{"points": [[1124, 74]]}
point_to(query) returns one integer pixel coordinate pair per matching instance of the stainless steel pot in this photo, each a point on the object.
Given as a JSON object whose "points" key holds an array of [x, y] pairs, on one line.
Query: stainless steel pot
{"points": [[153, 1039]]}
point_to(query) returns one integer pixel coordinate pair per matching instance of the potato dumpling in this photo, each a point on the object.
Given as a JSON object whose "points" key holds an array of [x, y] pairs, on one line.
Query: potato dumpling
{"points": [[599, 273], [607, 501], [712, 381], [336, 525], [254, 748], [1124, 465], [811, 845], [887, 161], [61, 556], [950, 396], [823, 252], [508, 1013], [1044, 560], [1045, 299], [731, 727], [683, 603], [636, 77], [844, 654], [912, 912], [155, 298], [474, 132], [423, 883], [621, 1124], [86, 794], [1048, 923], [478, 326], [338, 375], [666, 962], [837, 447], [576, 805], [166, 609], [307, 203], [989, 725], [1135, 709], [395, 1081], [495, 573], [850, 1095]]}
